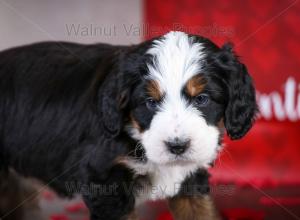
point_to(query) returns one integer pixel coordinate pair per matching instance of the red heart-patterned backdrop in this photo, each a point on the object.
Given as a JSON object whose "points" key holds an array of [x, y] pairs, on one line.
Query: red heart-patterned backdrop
{"points": [[266, 35]]}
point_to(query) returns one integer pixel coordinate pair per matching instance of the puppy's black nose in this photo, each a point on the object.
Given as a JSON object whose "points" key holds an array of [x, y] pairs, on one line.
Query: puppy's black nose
{"points": [[178, 146]]}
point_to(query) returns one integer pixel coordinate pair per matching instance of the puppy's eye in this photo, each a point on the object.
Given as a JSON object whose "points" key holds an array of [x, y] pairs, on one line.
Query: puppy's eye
{"points": [[202, 100], [151, 104]]}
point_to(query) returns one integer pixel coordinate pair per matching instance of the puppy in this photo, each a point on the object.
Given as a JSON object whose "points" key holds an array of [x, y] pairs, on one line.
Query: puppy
{"points": [[123, 124]]}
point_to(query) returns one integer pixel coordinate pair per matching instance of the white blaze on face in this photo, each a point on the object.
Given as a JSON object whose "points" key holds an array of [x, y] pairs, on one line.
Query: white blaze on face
{"points": [[176, 60]]}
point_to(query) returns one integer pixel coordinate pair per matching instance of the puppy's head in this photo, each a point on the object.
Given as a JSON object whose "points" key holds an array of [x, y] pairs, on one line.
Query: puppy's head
{"points": [[183, 91]]}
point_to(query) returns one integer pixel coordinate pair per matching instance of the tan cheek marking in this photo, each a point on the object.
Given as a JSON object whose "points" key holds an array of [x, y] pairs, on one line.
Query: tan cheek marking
{"points": [[135, 124], [154, 90], [121, 160], [221, 125], [195, 85], [221, 128]]}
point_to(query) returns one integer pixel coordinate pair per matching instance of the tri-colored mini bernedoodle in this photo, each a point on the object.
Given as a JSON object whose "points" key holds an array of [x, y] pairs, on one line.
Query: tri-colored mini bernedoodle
{"points": [[145, 120]]}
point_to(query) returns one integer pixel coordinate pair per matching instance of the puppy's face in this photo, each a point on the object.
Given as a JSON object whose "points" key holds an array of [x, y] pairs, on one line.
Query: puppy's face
{"points": [[183, 96]]}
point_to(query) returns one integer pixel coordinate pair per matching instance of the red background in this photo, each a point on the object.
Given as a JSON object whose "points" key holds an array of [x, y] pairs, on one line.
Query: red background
{"points": [[266, 36]]}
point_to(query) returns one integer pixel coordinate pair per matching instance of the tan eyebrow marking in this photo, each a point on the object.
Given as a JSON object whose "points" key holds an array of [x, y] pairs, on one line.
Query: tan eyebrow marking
{"points": [[154, 90], [195, 85]]}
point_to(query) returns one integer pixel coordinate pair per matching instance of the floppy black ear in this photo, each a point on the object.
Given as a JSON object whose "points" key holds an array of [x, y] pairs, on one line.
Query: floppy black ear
{"points": [[112, 97], [241, 104], [113, 101]]}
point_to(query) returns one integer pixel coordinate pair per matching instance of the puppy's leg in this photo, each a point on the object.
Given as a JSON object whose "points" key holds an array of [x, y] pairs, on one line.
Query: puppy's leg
{"points": [[193, 208], [114, 199], [10, 196], [18, 198]]}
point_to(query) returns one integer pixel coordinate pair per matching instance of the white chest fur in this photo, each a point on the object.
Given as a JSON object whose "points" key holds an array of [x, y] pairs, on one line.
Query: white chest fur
{"points": [[164, 180]]}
